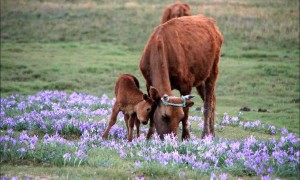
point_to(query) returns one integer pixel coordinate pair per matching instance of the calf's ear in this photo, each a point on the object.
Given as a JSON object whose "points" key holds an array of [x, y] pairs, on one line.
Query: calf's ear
{"points": [[145, 97], [154, 94]]}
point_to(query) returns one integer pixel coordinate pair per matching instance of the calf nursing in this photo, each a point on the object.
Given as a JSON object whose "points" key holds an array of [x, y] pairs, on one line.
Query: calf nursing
{"points": [[135, 105]]}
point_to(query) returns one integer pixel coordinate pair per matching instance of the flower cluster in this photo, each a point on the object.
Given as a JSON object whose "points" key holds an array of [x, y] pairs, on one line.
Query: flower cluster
{"points": [[73, 124], [251, 125]]}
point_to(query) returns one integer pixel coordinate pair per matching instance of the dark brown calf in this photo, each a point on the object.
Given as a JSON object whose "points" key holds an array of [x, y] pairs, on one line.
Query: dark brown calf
{"points": [[175, 10], [135, 105], [181, 54]]}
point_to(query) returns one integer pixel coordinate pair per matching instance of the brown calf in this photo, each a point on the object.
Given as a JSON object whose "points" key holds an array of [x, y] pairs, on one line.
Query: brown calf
{"points": [[175, 10], [181, 54], [135, 105]]}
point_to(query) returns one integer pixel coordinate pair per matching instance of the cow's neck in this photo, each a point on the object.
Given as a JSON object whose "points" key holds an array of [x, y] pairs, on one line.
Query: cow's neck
{"points": [[161, 82], [159, 68]]}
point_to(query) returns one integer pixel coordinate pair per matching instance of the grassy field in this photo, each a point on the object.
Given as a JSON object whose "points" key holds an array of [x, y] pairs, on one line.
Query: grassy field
{"points": [[83, 46]]}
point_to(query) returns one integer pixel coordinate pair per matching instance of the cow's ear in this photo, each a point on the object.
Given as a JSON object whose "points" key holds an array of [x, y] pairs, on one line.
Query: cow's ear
{"points": [[145, 97], [166, 15], [186, 6], [154, 94], [187, 11], [189, 103]]}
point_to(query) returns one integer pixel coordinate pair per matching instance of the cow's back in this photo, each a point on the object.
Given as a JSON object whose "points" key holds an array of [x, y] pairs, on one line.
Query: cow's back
{"points": [[188, 46]]}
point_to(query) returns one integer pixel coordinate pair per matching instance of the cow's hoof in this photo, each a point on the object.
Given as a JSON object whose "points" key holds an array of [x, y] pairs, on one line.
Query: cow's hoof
{"points": [[186, 135]]}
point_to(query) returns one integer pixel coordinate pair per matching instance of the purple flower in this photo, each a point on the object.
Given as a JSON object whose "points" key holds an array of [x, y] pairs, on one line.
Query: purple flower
{"points": [[235, 146], [22, 150], [23, 136], [137, 164], [176, 157], [223, 176], [267, 177], [213, 176], [80, 154], [67, 155], [122, 154], [270, 169], [284, 131], [10, 131], [33, 140], [139, 178]]}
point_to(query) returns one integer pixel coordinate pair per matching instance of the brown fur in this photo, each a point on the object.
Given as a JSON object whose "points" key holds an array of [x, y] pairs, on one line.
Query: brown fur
{"points": [[135, 105], [180, 54], [175, 10]]}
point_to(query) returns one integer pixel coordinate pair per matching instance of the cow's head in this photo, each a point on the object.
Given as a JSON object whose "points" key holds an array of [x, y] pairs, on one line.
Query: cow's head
{"points": [[168, 112], [176, 10], [144, 108]]}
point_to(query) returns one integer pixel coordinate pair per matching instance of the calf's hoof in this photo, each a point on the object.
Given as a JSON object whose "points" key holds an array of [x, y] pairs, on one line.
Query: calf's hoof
{"points": [[104, 136]]}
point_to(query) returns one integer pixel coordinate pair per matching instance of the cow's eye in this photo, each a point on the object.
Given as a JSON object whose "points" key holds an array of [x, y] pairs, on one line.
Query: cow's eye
{"points": [[165, 118], [148, 110]]}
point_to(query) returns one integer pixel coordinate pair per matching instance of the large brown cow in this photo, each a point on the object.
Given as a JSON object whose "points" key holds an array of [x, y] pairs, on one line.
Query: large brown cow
{"points": [[175, 10], [180, 54]]}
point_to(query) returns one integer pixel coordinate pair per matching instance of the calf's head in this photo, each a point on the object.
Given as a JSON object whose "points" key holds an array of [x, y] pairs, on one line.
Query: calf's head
{"points": [[144, 108], [168, 112]]}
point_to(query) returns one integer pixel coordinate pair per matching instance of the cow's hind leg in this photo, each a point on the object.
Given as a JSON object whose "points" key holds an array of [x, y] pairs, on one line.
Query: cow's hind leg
{"points": [[209, 105], [112, 121], [201, 91]]}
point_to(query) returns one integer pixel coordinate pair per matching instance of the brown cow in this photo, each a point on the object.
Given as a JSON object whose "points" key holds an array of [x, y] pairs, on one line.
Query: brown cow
{"points": [[180, 54], [175, 10], [135, 105]]}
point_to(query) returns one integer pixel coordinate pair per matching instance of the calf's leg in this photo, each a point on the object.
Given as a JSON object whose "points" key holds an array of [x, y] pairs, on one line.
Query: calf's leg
{"points": [[130, 125], [126, 119], [112, 121], [137, 125]]}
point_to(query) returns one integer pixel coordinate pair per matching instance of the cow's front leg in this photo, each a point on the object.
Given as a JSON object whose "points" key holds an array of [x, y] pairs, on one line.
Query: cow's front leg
{"points": [[151, 129], [185, 125]]}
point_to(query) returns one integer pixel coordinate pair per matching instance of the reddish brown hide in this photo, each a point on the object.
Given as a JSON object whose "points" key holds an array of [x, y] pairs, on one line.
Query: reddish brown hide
{"points": [[135, 105], [180, 54], [175, 10]]}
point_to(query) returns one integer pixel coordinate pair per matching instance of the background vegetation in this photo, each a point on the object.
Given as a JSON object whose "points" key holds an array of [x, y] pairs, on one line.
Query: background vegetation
{"points": [[83, 46]]}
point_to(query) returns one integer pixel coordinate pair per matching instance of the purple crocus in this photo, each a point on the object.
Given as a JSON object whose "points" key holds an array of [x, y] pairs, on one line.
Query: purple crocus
{"points": [[80, 154]]}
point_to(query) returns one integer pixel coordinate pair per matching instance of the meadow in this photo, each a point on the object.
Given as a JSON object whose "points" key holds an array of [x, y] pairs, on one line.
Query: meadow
{"points": [[59, 62]]}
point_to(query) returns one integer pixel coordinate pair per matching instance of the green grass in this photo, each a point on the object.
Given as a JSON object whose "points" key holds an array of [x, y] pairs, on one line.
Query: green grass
{"points": [[84, 46]]}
